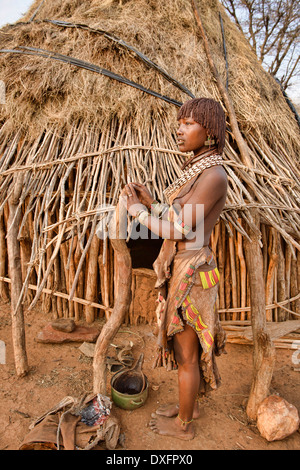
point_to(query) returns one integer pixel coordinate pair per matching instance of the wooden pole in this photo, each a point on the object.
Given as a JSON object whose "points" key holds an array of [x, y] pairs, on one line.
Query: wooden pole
{"points": [[298, 283], [65, 275], [271, 271], [121, 305], [281, 285], [4, 294], [264, 350], [288, 262], [78, 308], [15, 271], [227, 279], [25, 246], [92, 275], [233, 275], [72, 273], [221, 263], [243, 273], [104, 269]]}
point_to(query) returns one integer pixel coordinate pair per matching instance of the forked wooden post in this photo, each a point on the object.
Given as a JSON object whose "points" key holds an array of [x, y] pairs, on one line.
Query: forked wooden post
{"points": [[264, 350], [121, 304], [15, 271]]}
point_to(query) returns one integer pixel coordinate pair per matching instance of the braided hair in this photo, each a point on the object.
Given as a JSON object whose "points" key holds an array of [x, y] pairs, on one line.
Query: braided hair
{"points": [[209, 114]]}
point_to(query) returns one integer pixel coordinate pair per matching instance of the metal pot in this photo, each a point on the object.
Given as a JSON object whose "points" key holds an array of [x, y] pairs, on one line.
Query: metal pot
{"points": [[129, 388]]}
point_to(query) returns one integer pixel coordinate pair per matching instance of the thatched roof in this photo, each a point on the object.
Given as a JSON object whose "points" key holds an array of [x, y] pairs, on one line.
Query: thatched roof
{"points": [[71, 128]]}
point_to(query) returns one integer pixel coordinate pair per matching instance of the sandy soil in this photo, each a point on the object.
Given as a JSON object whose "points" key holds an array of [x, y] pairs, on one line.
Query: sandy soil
{"points": [[60, 370]]}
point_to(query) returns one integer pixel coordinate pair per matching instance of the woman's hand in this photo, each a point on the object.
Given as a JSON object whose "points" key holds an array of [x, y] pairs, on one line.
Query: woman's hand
{"points": [[131, 200], [143, 194]]}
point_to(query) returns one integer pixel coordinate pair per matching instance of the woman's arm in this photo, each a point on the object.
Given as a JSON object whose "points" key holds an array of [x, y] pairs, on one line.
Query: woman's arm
{"points": [[209, 189], [159, 226]]}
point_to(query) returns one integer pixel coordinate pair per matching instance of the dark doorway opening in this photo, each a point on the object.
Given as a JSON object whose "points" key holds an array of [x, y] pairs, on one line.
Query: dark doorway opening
{"points": [[145, 249]]}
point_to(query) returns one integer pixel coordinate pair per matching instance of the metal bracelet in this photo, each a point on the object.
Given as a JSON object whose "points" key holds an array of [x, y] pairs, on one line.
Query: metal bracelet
{"points": [[158, 209], [142, 215]]}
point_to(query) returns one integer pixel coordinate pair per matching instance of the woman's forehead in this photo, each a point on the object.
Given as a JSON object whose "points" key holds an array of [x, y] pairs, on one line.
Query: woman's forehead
{"points": [[185, 118]]}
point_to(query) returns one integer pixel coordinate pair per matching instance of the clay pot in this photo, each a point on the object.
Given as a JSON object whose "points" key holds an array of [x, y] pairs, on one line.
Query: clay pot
{"points": [[129, 387]]}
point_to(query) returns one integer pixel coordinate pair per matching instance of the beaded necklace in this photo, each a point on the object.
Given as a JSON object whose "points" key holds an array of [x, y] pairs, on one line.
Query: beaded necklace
{"points": [[193, 170]]}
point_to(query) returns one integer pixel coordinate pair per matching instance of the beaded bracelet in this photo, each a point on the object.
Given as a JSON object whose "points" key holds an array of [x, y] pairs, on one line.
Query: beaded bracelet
{"points": [[182, 227]]}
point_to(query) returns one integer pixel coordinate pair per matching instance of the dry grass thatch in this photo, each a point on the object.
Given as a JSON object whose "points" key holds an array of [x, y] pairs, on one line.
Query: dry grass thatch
{"points": [[44, 93], [72, 136]]}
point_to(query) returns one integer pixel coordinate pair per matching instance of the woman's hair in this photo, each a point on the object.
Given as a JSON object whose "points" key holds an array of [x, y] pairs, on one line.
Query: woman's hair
{"points": [[210, 114]]}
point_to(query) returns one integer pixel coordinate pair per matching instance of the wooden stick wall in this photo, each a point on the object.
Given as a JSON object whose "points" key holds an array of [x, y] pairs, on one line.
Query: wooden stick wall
{"points": [[281, 275], [96, 283], [67, 178]]}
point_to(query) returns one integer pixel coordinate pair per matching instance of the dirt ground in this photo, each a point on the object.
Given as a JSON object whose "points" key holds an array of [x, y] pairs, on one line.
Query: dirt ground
{"points": [[61, 370]]}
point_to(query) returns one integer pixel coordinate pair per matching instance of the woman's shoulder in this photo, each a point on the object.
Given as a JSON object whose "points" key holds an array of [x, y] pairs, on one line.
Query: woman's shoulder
{"points": [[214, 175]]}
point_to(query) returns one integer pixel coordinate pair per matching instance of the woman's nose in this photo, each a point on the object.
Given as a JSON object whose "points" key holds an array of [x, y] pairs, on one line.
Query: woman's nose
{"points": [[179, 130]]}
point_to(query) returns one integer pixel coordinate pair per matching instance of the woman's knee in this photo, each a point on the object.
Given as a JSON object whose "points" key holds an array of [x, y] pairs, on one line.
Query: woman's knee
{"points": [[186, 347], [187, 361]]}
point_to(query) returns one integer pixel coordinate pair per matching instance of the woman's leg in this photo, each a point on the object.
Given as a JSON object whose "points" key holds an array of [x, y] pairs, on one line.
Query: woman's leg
{"points": [[186, 346]]}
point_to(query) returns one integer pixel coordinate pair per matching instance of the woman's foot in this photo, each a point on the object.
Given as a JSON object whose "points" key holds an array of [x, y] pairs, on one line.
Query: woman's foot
{"points": [[171, 410], [171, 427]]}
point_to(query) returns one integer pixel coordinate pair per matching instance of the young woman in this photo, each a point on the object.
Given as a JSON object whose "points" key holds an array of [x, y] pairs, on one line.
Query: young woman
{"points": [[190, 335]]}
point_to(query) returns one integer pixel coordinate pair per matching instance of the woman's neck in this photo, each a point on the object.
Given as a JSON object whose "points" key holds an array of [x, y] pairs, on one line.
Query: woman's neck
{"points": [[205, 151], [199, 155]]}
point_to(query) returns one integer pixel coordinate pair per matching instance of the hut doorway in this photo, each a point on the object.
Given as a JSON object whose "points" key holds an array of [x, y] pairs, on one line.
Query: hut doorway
{"points": [[144, 251]]}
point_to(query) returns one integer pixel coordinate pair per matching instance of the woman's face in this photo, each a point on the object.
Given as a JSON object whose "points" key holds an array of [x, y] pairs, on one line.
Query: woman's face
{"points": [[191, 136]]}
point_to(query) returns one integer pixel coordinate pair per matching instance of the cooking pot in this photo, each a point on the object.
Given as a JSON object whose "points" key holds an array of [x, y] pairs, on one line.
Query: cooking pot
{"points": [[129, 387]]}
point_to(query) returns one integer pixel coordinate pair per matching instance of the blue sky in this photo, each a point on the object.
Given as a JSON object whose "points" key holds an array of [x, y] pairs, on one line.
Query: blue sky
{"points": [[12, 10]]}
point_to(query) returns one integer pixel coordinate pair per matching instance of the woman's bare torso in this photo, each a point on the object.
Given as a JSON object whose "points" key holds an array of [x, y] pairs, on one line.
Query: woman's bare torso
{"points": [[210, 217]]}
